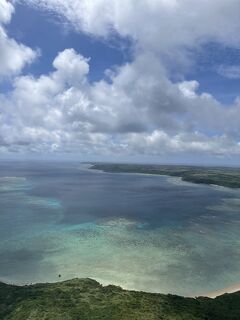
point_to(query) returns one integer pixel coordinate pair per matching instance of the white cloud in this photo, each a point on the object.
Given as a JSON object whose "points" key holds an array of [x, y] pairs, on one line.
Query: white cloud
{"points": [[166, 27], [6, 11], [139, 110], [188, 88], [71, 67], [13, 56]]}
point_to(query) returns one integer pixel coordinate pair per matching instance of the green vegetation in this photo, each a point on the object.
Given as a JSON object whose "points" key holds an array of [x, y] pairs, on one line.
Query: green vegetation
{"points": [[86, 299], [226, 177]]}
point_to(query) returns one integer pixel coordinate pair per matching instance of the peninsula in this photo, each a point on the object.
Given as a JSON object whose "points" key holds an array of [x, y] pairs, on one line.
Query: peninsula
{"points": [[221, 176]]}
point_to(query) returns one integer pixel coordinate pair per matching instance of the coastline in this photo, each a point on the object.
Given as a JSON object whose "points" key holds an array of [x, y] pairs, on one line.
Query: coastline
{"points": [[212, 294], [215, 177], [172, 179]]}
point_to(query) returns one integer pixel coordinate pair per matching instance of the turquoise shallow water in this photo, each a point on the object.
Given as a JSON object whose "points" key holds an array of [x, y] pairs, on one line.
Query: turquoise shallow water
{"points": [[147, 233]]}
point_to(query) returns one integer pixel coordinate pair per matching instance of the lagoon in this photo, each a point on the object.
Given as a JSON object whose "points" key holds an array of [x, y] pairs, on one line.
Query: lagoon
{"points": [[143, 232]]}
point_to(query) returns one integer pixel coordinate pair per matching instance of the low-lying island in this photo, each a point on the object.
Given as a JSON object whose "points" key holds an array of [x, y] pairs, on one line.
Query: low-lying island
{"points": [[221, 176]]}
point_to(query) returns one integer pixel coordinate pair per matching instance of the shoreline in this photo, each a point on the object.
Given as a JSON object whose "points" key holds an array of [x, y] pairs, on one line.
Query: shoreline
{"points": [[210, 177], [168, 176]]}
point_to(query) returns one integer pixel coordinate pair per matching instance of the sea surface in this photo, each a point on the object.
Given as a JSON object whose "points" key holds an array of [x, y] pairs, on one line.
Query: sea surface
{"points": [[153, 233]]}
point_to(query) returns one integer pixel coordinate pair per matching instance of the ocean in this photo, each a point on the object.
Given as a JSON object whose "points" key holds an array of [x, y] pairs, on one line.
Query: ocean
{"points": [[143, 232]]}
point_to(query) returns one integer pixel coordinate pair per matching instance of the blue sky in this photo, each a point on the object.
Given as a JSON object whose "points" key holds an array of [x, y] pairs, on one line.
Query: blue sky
{"points": [[147, 81], [45, 31], [208, 60]]}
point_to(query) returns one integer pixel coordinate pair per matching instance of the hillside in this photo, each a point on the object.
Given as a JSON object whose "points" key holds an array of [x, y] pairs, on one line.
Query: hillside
{"points": [[86, 299]]}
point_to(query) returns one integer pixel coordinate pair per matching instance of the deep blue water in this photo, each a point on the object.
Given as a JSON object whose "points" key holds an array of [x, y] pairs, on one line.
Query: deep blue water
{"points": [[142, 232]]}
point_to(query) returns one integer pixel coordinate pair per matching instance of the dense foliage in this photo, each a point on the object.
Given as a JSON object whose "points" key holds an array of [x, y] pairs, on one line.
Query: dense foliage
{"points": [[86, 299], [227, 177]]}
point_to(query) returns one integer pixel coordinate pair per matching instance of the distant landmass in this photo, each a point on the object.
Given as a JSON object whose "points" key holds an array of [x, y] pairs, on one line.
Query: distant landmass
{"points": [[221, 176], [86, 299]]}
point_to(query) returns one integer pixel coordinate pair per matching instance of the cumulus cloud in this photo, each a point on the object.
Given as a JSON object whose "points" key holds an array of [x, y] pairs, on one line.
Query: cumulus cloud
{"points": [[138, 112], [6, 10], [13, 56], [167, 27], [71, 67], [138, 109], [188, 88]]}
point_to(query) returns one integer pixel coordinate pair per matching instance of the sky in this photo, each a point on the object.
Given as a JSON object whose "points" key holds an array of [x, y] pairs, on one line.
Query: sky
{"points": [[121, 80]]}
